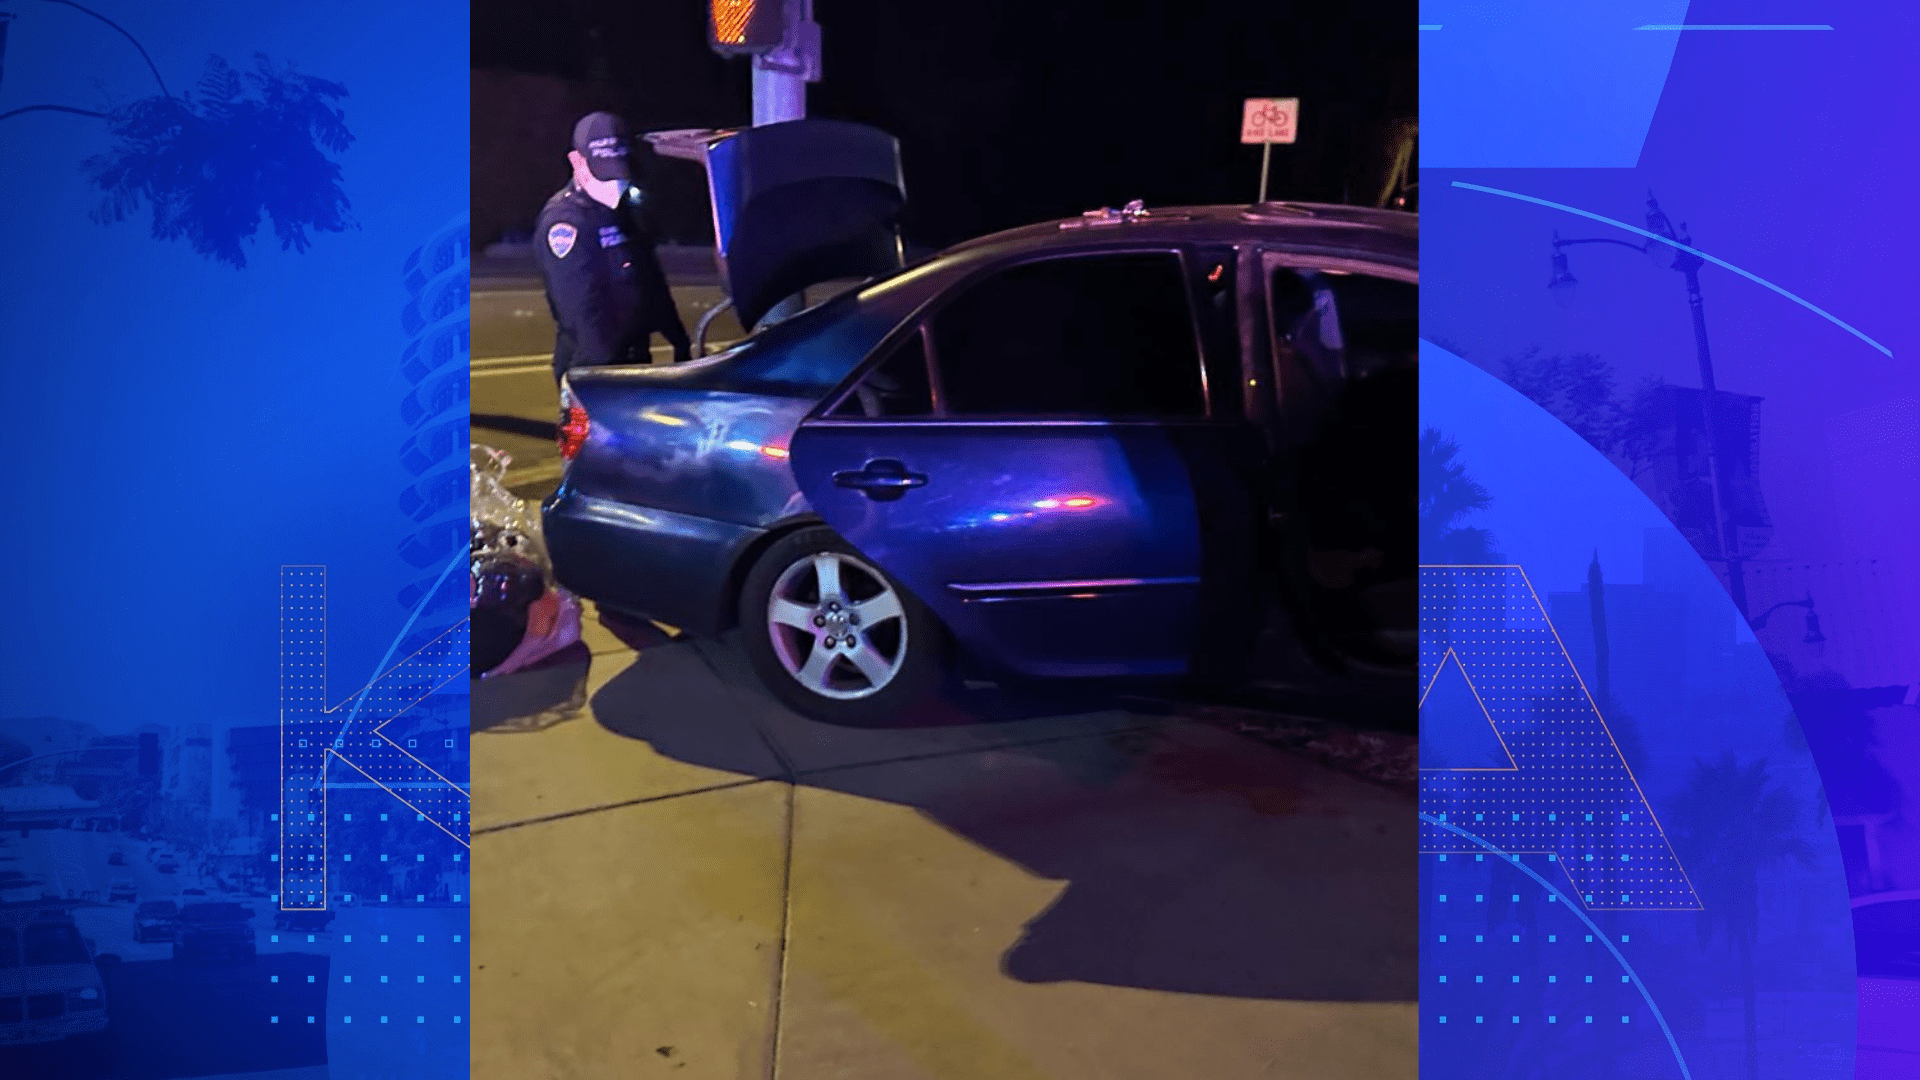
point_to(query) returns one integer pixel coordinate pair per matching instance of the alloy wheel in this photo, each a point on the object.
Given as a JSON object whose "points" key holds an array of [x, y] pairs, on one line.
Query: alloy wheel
{"points": [[837, 626]]}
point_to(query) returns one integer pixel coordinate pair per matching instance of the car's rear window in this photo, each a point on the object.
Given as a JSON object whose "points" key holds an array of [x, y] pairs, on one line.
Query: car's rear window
{"points": [[158, 907]]}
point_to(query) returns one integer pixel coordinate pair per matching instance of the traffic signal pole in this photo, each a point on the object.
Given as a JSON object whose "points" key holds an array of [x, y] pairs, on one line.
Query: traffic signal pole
{"points": [[778, 95], [780, 78], [784, 42]]}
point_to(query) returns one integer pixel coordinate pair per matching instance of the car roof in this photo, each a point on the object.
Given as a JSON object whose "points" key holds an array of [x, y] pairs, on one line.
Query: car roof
{"points": [[1393, 235]]}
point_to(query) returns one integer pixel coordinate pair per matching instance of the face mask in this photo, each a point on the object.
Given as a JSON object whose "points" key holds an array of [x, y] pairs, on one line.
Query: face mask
{"points": [[604, 192]]}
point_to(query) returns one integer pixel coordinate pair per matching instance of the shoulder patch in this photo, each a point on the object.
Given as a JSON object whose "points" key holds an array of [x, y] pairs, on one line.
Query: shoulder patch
{"points": [[560, 239]]}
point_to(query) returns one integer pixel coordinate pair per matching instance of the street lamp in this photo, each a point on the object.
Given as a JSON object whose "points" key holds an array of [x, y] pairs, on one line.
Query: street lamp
{"points": [[1667, 253], [1814, 636], [1562, 283]]}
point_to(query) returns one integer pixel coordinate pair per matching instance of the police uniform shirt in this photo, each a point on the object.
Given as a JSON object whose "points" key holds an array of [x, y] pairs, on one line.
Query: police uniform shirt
{"points": [[604, 287]]}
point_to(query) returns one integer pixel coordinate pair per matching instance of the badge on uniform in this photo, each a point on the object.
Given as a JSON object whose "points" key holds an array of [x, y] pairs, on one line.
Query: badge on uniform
{"points": [[560, 239]]}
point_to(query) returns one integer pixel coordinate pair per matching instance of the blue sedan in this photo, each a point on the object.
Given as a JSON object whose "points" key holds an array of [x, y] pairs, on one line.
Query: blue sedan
{"points": [[1113, 446]]}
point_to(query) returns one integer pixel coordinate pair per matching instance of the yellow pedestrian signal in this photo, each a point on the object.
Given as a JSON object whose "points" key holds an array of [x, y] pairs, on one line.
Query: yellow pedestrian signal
{"points": [[746, 26]]}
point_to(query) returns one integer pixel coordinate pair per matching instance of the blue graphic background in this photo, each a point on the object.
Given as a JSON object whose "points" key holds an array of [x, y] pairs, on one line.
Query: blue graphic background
{"points": [[1511, 957], [1777, 151], [178, 429]]}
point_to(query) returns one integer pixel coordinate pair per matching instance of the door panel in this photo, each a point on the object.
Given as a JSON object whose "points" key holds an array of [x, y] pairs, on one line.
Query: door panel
{"points": [[1345, 349], [1057, 549]]}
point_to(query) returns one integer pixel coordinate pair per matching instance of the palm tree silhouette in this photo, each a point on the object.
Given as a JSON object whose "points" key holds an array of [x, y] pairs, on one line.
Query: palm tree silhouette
{"points": [[214, 163], [1447, 497], [1733, 824]]}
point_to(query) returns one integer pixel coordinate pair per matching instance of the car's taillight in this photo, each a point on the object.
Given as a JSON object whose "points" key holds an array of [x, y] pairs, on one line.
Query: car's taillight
{"points": [[573, 433]]}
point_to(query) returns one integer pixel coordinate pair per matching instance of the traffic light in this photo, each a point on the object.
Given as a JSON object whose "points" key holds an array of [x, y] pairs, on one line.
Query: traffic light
{"points": [[746, 26], [149, 754]]}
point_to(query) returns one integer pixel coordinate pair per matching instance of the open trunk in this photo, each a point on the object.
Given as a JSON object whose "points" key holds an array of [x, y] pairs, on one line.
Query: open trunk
{"points": [[796, 204]]}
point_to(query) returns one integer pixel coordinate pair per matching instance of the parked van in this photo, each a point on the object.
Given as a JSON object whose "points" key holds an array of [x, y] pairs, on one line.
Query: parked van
{"points": [[50, 984]]}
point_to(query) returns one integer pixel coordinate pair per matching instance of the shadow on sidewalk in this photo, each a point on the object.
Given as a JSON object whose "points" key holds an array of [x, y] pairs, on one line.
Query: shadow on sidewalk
{"points": [[1194, 860]]}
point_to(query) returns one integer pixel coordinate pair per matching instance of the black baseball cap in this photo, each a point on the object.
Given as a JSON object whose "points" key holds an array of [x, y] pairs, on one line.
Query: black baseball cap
{"points": [[602, 139]]}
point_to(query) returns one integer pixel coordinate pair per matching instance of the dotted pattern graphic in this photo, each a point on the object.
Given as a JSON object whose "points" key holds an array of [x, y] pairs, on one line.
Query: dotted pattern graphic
{"points": [[312, 734], [398, 995], [1570, 795], [1516, 981]]}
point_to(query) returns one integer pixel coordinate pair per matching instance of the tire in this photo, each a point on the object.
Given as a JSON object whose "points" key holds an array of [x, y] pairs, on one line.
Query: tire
{"points": [[907, 642]]}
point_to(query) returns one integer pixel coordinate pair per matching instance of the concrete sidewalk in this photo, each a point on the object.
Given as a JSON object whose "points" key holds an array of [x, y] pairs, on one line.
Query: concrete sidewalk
{"points": [[680, 878]]}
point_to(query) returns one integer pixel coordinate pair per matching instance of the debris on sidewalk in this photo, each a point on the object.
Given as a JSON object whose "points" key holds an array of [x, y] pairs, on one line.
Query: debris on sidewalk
{"points": [[520, 614], [1391, 759]]}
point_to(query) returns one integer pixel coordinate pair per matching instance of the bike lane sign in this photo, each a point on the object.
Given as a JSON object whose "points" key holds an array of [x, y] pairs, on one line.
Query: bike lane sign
{"points": [[1269, 120]]}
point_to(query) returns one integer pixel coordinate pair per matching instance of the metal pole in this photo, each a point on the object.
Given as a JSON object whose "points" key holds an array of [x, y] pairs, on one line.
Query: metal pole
{"points": [[780, 94], [1716, 472], [1266, 153], [1602, 648], [780, 77]]}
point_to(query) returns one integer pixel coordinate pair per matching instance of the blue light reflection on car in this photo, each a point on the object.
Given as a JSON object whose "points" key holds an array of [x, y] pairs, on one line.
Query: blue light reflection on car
{"points": [[1069, 503], [1030, 510]]}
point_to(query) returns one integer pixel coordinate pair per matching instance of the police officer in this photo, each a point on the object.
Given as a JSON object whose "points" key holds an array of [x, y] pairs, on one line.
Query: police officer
{"points": [[605, 287]]}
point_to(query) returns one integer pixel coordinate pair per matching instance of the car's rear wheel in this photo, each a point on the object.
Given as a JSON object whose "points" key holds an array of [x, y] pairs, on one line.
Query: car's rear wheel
{"points": [[833, 637]]}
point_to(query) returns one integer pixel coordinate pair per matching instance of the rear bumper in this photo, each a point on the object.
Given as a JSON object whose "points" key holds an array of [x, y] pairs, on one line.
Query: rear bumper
{"points": [[642, 561]]}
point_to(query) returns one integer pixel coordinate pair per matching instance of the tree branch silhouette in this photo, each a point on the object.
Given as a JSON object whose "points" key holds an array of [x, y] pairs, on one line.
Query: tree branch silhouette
{"points": [[241, 149], [122, 31], [52, 108]]}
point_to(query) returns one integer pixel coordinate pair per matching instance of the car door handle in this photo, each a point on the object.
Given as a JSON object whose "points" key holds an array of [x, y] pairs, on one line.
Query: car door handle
{"points": [[883, 479]]}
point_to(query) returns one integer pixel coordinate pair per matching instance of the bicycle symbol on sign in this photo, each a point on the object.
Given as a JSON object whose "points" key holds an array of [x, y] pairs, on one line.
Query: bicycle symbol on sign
{"points": [[1272, 117]]}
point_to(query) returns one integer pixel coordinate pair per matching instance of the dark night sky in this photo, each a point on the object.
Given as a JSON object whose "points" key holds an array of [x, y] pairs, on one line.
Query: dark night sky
{"points": [[1013, 112]]}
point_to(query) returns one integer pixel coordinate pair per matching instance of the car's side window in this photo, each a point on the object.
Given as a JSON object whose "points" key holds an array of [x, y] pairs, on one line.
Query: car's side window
{"points": [[1093, 336], [1346, 346], [897, 387], [1345, 326]]}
